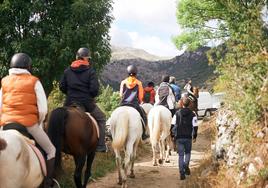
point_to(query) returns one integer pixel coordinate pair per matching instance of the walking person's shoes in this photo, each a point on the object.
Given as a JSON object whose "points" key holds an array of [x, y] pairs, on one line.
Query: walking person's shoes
{"points": [[182, 177], [187, 171]]}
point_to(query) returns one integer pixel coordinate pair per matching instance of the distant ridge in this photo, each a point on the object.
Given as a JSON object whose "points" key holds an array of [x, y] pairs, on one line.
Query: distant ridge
{"points": [[119, 53], [192, 65]]}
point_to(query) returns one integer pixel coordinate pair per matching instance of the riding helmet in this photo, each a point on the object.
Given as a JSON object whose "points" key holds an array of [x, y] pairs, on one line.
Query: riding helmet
{"points": [[83, 53], [21, 60], [132, 70]]}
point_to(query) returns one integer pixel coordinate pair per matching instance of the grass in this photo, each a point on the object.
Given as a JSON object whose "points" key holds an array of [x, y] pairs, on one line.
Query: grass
{"points": [[103, 164]]}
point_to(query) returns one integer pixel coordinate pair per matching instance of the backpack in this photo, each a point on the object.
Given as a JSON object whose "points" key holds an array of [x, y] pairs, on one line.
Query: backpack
{"points": [[163, 91], [147, 96]]}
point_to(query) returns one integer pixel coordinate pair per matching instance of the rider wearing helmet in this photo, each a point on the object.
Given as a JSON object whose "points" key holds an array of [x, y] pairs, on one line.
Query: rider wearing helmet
{"points": [[80, 84], [23, 101], [131, 92]]}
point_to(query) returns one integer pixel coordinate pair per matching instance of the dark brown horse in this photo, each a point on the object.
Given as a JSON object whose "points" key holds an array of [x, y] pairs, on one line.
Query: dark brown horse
{"points": [[194, 100], [72, 132]]}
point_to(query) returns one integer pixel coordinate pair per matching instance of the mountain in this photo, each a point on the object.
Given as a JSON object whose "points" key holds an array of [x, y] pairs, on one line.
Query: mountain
{"points": [[120, 53], [192, 65]]}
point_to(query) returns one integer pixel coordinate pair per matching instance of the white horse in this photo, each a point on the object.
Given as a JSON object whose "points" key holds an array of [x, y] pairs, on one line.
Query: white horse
{"points": [[126, 129], [19, 165], [159, 122], [147, 107]]}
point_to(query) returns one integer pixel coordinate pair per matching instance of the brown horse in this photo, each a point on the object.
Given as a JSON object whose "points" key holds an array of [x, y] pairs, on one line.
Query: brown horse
{"points": [[194, 100], [72, 131]]}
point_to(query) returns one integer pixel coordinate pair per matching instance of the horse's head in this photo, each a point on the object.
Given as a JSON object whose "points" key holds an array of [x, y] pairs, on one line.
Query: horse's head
{"points": [[196, 91]]}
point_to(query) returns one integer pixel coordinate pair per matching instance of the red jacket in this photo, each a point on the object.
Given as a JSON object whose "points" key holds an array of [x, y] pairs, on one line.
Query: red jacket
{"points": [[152, 94]]}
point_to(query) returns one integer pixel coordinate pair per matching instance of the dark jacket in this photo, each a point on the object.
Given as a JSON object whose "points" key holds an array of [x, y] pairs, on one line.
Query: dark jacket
{"points": [[81, 86], [184, 126]]}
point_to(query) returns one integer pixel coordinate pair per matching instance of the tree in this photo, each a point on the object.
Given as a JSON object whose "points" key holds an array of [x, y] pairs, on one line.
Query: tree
{"points": [[51, 32], [243, 68]]}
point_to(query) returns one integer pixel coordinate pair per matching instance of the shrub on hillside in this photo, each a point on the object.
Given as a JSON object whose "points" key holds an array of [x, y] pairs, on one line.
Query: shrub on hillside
{"points": [[108, 100]]}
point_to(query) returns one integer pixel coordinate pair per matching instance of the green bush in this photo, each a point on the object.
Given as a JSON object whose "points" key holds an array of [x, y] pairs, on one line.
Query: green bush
{"points": [[108, 100], [56, 97]]}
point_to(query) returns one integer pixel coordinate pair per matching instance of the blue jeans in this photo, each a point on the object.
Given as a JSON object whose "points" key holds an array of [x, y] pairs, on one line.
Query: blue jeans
{"points": [[184, 146]]}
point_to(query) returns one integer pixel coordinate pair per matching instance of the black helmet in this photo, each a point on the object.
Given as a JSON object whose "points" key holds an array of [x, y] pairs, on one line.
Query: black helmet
{"points": [[21, 60], [83, 53], [132, 70]]}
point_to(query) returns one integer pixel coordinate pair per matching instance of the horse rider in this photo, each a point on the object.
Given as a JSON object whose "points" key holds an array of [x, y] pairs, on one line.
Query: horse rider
{"points": [[23, 101], [165, 95], [131, 92], [189, 88], [81, 86], [149, 93], [190, 91], [175, 87]]}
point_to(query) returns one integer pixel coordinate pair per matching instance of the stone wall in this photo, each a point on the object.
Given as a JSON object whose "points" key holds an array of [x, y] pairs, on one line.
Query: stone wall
{"points": [[246, 160]]}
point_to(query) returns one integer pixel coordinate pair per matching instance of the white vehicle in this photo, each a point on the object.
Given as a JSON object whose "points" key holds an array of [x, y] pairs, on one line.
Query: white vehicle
{"points": [[208, 103]]}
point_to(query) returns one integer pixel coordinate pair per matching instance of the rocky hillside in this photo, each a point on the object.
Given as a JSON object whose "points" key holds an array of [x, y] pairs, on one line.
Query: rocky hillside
{"points": [[188, 65], [120, 53]]}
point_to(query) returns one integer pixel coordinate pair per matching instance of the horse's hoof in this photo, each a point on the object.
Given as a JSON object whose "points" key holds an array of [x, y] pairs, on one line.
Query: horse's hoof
{"points": [[167, 161], [154, 164], [131, 175], [119, 182], [160, 161], [124, 185]]}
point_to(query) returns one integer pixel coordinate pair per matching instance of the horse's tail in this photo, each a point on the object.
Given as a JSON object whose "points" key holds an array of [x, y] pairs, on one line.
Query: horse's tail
{"points": [[120, 129], [3, 144], [56, 131], [156, 121]]}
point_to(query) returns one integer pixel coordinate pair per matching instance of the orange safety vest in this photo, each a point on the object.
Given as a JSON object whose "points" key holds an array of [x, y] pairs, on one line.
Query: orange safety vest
{"points": [[19, 102]]}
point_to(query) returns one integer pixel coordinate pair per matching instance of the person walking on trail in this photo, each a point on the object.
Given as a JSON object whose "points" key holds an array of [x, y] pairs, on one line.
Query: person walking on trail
{"points": [[184, 130], [149, 93], [165, 95], [81, 86], [131, 92], [175, 87], [23, 101]]}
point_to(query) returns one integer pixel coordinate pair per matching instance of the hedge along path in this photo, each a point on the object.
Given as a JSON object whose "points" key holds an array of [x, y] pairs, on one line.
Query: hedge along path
{"points": [[167, 175]]}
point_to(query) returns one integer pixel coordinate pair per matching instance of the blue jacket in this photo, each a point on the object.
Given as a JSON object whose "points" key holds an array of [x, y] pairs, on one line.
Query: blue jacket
{"points": [[177, 91]]}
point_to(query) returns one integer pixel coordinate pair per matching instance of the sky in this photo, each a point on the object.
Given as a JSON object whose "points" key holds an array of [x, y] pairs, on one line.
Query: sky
{"points": [[145, 24]]}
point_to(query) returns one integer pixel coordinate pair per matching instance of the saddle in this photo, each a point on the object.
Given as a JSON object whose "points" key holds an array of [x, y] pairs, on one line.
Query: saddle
{"points": [[31, 142], [82, 109]]}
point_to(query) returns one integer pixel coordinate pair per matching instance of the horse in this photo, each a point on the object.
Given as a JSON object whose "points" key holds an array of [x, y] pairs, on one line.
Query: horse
{"points": [[126, 130], [19, 165], [159, 122], [193, 100], [147, 107], [73, 132]]}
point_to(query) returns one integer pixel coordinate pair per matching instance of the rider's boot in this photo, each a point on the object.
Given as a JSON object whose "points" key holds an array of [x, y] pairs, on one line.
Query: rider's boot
{"points": [[48, 182], [144, 136]]}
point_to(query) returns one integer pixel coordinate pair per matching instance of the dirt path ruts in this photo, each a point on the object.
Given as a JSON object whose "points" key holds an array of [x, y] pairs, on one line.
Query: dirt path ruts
{"points": [[165, 176]]}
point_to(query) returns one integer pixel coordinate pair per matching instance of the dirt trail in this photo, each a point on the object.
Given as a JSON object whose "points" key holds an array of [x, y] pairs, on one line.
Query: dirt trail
{"points": [[167, 175]]}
